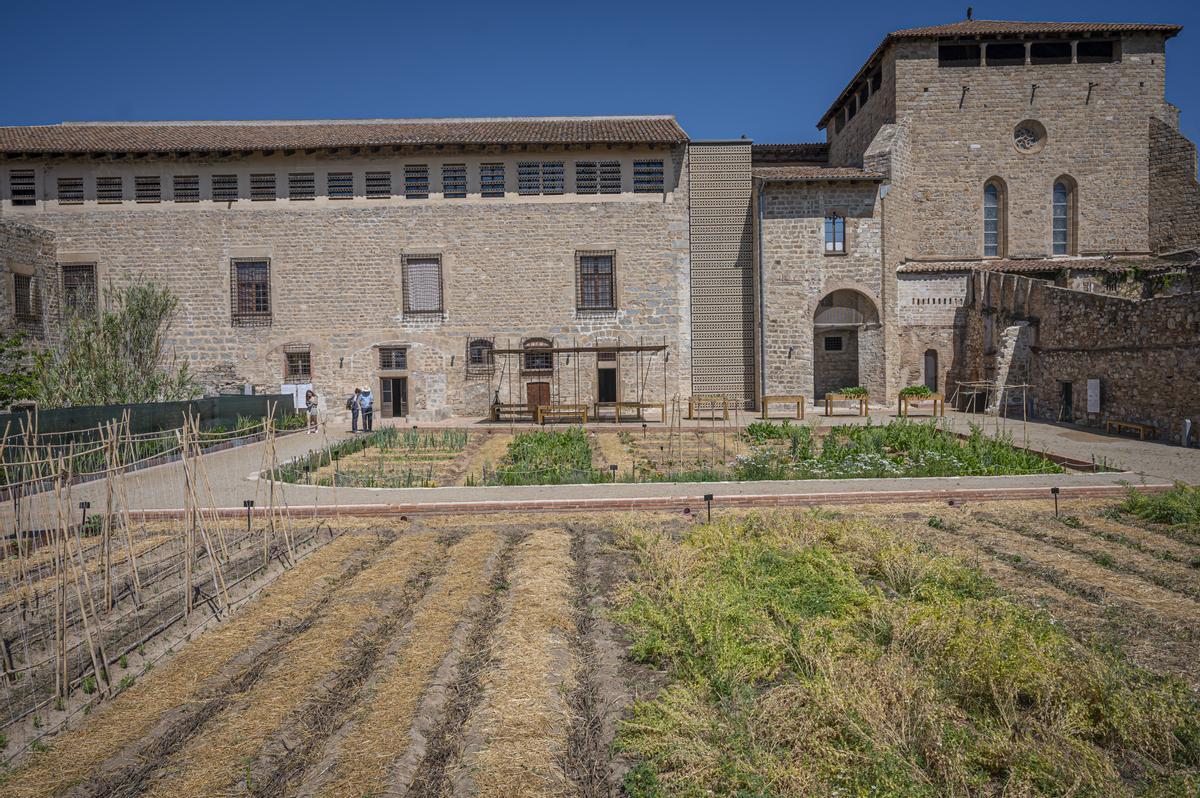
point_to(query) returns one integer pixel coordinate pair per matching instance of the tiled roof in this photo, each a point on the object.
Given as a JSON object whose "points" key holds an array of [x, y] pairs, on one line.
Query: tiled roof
{"points": [[1033, 265], [172, 137], [993, 27], [814, 172], [789, 153]]}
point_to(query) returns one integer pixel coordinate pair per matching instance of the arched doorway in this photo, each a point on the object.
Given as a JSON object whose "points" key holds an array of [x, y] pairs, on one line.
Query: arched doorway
{"points": [[931, 369], [845, 346]]}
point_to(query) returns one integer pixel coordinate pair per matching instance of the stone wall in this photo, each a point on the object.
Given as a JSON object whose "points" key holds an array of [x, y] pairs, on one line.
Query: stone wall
{"points": [[508, 268], [848, 146], [1144, 352], [930, 316], [28, 250], [797, 274], [1174, 192]]}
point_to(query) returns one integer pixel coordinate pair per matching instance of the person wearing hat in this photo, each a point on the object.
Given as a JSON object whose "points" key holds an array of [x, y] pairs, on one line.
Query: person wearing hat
{"points": [[367, 404]]}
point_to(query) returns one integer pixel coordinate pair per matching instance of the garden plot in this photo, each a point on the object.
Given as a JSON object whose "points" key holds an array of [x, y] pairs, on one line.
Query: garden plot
{"points": [[908, 650]]}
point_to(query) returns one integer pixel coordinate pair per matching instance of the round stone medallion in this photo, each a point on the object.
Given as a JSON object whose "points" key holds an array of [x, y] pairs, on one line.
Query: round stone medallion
{"points": [[1029, 136]]}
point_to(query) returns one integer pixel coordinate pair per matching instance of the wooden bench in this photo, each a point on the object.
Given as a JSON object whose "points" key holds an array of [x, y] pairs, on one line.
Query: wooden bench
{"points": [[561, 411], [708, 402], [514, 411], [782, 399], [830, 398], [1143, 430], [633, 408], [938, 400]]}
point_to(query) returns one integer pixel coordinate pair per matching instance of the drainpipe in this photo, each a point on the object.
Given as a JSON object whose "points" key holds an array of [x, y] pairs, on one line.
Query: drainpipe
{"points": [[762, 299]]}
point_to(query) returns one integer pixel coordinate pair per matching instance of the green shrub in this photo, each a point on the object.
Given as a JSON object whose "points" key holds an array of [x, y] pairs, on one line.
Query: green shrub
{"points": [[1179, 506], [916, 392], [853, 391]]}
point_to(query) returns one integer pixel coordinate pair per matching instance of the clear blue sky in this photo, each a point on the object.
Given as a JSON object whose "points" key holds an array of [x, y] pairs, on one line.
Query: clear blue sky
{"points": [[764, 69]]}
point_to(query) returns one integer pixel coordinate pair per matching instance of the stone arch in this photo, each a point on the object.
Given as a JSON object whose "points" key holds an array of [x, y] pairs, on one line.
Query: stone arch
{"points": [[847, 343]]}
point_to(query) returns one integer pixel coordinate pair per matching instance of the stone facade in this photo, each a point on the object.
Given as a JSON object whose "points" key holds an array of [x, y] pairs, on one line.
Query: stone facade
{"points": [[29, 252], [1174, 191]]}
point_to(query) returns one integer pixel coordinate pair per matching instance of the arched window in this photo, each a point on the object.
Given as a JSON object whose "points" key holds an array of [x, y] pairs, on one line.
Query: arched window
{"points": [[534, 359], [479, 352], [995, 219], [1062, 217]]}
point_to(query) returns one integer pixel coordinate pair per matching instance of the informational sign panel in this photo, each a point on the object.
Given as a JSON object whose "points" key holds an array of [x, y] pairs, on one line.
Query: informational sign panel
{"points": [[1093, 398]]}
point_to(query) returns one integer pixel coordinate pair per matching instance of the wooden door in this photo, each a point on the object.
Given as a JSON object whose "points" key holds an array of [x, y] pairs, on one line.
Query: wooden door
{"points": [[537, 394], [393, 397]]}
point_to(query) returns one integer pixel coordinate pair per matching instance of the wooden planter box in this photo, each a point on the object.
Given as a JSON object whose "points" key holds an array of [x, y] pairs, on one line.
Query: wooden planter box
{"points": [[939, 401], [830, 398], [797, 400]]}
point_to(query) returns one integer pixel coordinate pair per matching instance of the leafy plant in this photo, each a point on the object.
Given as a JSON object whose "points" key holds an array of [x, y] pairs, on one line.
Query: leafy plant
{"points": [[916, 392], [854, 391], [89, 685], [20, 368]]}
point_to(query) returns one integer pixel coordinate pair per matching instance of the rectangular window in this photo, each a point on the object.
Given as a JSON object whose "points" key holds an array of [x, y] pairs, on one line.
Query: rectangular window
{"points": [[540, 177], [70, 191], [958, 55], [1006, 54], [340, 185], [864, 94], [1060, 214], [416, 181], [147, 188], [1089, 52], [648, 177], [251, 286], [297, 365], [79, 288], [393, 358], [187, 188], [22, 187], [480, 354], [835, 234], [1050, 53], [454, 180], [225, 188], [833, 343], [26, 306], [302, 186], [595, 279], [379, 185], [422, 279], [110, 189], [262, 187], [597, 177], [876, 82], [533, 359], [491, 179]]}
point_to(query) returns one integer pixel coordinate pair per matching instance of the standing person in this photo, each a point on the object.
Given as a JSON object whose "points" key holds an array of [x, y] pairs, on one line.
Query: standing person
{"points": [[368, 409], [310, 403], [354, 405]]}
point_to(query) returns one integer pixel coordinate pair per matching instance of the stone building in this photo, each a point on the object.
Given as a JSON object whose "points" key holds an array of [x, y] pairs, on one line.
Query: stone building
{"points": [[424, 257]]}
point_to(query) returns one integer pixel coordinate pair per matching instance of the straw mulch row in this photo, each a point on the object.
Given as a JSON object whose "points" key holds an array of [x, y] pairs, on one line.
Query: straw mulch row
{"points": [[211, 762], [188, 676], [524, 718]]}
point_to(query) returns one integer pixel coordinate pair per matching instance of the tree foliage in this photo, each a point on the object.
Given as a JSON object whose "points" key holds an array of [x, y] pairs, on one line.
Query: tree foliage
{"points": [[19, 367], [119, 355]]}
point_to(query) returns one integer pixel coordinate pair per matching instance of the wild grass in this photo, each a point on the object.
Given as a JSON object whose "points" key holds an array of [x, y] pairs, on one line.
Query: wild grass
{"points": [[812, 656], [1179, 507]]}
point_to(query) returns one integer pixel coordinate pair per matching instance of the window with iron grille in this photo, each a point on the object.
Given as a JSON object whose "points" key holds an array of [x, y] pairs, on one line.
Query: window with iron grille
{"points": [[379, 185], [648, 177], [422, 278], [491, 180], [187, 188], [225, 188], [26, 306], [533, 359], [340, 185], [595, 280], [598, 177], [302, 185], [416, 181], [297, 364], [262, 187], [480, 354], [110, 189], [393, 358], [251, 287], [22, 187], [70, 191], [79, 287], [834, 343], [539, 177], [147, 188], [454, 180]]}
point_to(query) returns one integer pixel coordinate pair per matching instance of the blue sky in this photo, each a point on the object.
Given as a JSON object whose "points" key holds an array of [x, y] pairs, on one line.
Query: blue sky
{"points": [[766, 70]]}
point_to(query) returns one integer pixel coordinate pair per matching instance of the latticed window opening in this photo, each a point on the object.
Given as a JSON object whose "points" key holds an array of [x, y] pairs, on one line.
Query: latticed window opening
{"points": [[187, 188], [302, 186], [422, 279], [262, 187], [340, 185], [481, 357], [596, 283], [110, 189], [648, 177], [491, 179], [393, 358], [598, 177], [992, 221], [533, 359], [454, 180], [147, 188], [79, 287], [1061, 218], [22, 187], [416, 181], [297, 363], [70, 191], [225, 188], [251, 286], [540, 177], [379, 185], [26, 306]]}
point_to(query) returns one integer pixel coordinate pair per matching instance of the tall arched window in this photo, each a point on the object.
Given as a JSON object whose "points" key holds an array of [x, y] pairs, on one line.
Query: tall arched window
{"points": [[1063, 217], [994, 218]]}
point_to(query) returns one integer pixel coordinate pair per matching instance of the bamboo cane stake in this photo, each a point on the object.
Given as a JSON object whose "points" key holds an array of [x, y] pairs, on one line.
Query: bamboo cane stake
{"points": [[99, 666]]}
